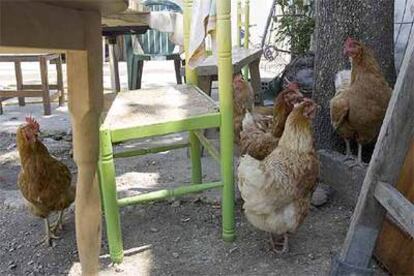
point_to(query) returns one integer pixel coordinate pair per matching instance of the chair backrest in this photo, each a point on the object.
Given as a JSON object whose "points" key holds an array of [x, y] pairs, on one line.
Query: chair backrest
{"points": [[154, 42]]}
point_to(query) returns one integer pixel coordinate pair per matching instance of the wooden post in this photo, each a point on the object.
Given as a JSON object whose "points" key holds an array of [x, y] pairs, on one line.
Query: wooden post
{"points": [[85, 105], [225, 77], [191, 78]]}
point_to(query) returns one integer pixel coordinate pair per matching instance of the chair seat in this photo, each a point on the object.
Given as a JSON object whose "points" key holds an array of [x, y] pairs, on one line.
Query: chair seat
{"points": [[241, 57], [159, 111]]}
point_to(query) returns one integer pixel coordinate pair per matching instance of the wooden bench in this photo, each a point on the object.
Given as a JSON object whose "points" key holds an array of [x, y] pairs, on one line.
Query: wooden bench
{"points": [[207, 70], [35, 90]]}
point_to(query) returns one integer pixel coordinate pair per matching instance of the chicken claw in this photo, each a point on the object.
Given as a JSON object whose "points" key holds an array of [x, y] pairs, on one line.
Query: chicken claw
{"points": [[284, 244], [58, 224], [49, 235]]}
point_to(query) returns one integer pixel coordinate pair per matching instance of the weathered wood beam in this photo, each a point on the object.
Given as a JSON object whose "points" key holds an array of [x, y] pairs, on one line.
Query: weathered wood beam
{"points": [[400, 208]]}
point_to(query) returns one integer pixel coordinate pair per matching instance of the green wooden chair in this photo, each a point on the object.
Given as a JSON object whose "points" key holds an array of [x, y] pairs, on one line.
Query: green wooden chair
{"points": [[155, 46], [136, 114]]}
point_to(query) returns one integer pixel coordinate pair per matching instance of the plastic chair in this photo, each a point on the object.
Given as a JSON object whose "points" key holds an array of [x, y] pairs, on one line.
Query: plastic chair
{"points": [[137, 114], [155, 45]]}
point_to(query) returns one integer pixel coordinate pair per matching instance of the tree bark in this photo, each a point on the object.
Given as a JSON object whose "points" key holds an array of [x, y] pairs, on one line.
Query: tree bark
{"points": [[370, 21]]}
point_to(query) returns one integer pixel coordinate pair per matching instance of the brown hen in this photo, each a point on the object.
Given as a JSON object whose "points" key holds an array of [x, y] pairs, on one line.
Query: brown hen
{"points": [[243, 99], [277, 191], [44, 181], [261, 133], [359, 106]]}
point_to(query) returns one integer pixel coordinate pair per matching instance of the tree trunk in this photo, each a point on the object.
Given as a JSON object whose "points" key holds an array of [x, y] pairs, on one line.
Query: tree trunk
{"points": [[370, 21]]}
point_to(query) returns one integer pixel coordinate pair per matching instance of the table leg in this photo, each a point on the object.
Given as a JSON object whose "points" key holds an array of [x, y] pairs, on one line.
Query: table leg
{"points": [[45, 85], [256, 81], [60, 86], [19, 80], [204, 82], [85, 104], [113, 64]]}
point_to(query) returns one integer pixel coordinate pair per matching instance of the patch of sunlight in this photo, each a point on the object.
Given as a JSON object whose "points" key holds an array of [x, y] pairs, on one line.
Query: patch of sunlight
{"points": [[137, 261], [138, 180]]}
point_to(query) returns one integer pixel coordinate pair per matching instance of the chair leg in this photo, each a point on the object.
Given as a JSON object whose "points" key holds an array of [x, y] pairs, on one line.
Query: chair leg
{"points": [[195, 152], [106, 169], [19, 81], [61, 89], [45, 85], [140, 69], [177, 66], [256, 81], [1, 107], [113, 64]]}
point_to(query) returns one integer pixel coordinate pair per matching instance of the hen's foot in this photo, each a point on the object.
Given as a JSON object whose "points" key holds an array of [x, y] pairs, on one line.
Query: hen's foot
{"points": [[58, 225], [283, 243], [47, 239]]}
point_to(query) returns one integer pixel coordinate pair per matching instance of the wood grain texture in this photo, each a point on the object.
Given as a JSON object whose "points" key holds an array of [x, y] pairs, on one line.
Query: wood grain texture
{"points": [[396, 205], [395, 248]]}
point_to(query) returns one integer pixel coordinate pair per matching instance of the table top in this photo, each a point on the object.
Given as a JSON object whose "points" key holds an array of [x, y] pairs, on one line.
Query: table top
{"points": [[121, 30], [126, 22], [104, 6], [241, 57]]}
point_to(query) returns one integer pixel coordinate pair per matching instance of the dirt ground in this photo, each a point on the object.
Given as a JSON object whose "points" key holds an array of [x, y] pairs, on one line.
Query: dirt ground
{"points": [[176, 237]]}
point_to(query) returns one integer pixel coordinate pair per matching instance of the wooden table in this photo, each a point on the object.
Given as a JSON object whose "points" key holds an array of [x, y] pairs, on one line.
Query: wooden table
{"points": [[74, 28], [127, 22], [207, 70]]}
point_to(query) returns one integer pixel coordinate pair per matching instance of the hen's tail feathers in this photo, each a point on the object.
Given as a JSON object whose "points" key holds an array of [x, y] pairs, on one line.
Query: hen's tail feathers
{"points": [[342, 80]]}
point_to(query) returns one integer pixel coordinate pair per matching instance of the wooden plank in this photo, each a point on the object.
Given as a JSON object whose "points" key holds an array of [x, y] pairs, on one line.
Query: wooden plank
{"points": [[37, 86], [395, 247], [397, 205], [20, 93], [37, 25], [127, 18], [26, 57], [385, 166]]}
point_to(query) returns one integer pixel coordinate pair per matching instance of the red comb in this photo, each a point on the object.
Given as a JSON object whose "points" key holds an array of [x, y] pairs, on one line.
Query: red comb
{"points": [[293, 86], [32, 122], [349, 41]]}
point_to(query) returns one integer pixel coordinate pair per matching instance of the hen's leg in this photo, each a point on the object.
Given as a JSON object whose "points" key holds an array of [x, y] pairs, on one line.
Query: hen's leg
{"points": [[285, 248], [348, 148], [272, 242], [284, 244], [49, 235], [359, 154], [58, 223]]}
